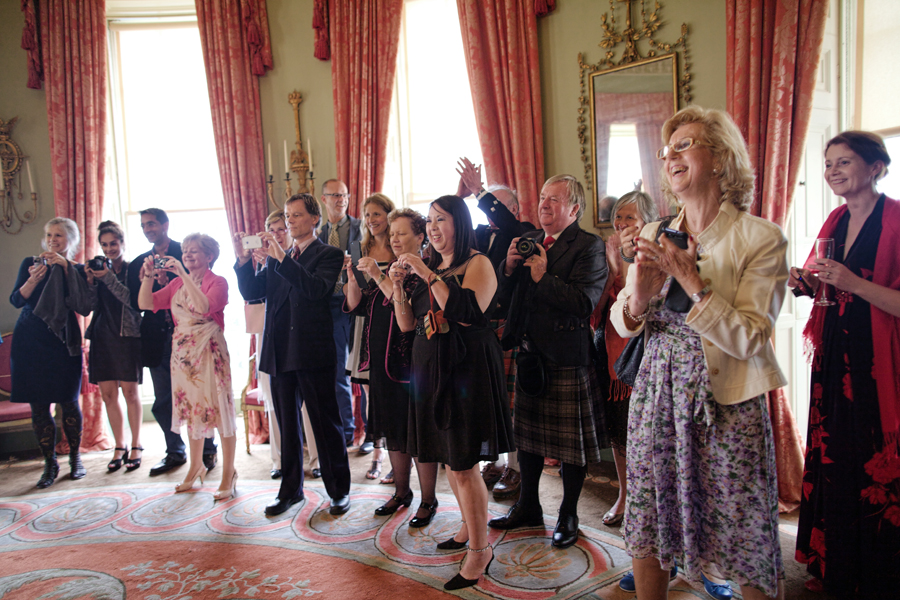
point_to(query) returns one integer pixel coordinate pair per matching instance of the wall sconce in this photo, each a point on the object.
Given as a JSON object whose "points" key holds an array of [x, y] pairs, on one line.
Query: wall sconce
{"points": [[11, 161]]}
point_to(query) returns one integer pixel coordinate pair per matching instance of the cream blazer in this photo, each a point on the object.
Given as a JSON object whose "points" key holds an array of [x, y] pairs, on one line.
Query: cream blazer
{"points": [[743, 259]]}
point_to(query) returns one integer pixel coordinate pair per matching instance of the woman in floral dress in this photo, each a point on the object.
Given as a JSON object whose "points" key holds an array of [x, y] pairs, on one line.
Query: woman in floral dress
{"points": [[201, 370], [849, 529], [700, 457]]}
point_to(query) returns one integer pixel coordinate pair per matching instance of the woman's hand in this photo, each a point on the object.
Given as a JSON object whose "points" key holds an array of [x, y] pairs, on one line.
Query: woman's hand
{"points": [[173, 265], [672, 260], [54, 258], [415, 264], [367, 265], [803, 279], [36, 273], [148, 270], [259, 255], [628, 240], [834, 273], [397, 273]]}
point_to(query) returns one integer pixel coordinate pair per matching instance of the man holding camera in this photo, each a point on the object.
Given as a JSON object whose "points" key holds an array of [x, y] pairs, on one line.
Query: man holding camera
{"points": [[156, 341], [551, 280]]}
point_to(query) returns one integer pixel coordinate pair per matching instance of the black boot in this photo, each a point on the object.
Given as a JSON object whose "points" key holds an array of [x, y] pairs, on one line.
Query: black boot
{"points": [[77, 469], [51, 470], [72, 423]]}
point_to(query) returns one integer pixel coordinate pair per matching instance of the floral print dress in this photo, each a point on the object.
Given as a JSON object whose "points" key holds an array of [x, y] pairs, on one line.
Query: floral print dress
{"points": [[201, 373], [701, 476]]}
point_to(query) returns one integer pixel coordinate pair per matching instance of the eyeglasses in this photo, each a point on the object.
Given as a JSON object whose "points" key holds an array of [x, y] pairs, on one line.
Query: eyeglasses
{"points": [[679, 146], [337, 195]]}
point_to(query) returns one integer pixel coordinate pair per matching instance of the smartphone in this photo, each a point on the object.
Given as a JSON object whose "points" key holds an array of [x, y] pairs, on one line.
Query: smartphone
{"points": [[355, 255], [679, 238], [251, 242], [802, 288]]}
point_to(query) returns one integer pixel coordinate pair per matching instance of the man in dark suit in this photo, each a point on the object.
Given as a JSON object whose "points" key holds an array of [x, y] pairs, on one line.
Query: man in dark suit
{"points": [[298, 350], [340, 231], [156, 341], [551, 295]]}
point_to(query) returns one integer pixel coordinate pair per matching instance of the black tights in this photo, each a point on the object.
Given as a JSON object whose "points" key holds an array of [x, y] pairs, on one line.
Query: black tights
{"points": [[45, 427], [531, 466], [401, 463]]}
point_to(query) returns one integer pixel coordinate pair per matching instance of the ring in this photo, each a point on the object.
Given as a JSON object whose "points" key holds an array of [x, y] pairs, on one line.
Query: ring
{"points": [[634, 242]]}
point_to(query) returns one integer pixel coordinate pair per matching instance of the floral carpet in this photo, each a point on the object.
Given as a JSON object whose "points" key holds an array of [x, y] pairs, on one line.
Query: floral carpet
{"points": [[143, 541]]}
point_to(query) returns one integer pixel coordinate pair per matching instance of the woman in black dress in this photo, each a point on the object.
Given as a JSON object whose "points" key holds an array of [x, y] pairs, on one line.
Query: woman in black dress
{"points": [[46, 349], [387, 358], [849, 528], [115, 356], [459, 410]]}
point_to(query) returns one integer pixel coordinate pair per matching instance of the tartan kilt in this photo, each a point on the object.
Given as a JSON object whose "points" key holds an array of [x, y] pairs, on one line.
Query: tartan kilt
{"points": [[509, 364], [567, 422]]}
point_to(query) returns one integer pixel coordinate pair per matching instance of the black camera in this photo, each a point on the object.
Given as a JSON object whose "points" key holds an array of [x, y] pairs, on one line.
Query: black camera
{"points": [[160, 262], [98, 263], [39, 260], [526, 247]]}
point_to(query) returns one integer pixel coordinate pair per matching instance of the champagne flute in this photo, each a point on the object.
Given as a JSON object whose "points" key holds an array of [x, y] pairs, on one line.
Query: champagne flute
{"points": [[824, 249]]}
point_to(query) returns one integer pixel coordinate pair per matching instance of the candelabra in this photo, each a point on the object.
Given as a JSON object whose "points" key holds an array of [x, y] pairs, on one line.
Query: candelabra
{"points": [[11, 161]]}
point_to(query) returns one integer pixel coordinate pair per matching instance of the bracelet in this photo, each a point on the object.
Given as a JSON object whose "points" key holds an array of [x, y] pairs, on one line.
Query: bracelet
{"points": [[401, 301], [639, 318], [380, 279], [628, 259]]}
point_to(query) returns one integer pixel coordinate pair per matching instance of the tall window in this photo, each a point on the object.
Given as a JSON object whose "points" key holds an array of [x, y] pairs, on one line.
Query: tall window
{"points": [[433, 120], [164, 152]]}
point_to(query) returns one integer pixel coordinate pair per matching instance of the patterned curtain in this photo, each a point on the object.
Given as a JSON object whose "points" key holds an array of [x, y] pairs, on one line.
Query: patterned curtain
{"points": [[73, 44], [228, 31], [365, 36], [501, 45], [772, 56]]}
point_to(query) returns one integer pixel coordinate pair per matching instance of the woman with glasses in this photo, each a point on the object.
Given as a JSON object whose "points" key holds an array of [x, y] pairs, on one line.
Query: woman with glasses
{"points": [[705, 294]]}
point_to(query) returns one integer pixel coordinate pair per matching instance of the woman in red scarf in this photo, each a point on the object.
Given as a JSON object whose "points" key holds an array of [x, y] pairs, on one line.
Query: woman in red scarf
{"points": [[849, 530]]}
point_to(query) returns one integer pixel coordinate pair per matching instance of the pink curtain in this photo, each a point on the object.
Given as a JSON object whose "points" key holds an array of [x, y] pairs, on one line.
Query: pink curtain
{"points": [[31, 44], [501, 45], [226, 31], [772, 56], [365, 36], [73, 44]]}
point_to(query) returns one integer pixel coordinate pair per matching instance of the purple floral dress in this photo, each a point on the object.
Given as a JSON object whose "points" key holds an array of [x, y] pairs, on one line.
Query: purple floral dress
{"points": [[701, 476]]}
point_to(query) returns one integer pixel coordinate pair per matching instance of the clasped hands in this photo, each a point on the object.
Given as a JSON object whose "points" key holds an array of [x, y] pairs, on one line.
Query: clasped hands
{"points": [[654, 262]]}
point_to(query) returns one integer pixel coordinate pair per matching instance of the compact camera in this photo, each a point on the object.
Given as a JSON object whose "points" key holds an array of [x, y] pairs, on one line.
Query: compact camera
{"points": [[39, 260], [160, 262], [98, 263], [526, 247], [251, 242]]}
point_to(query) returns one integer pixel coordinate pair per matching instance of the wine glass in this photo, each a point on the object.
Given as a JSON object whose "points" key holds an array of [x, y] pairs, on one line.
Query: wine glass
{"points": [[825, 249]]}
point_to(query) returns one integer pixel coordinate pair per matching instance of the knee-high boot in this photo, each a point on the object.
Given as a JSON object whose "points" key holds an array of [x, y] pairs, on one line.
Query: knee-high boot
{"points": [[45, 430], [72, 425]]}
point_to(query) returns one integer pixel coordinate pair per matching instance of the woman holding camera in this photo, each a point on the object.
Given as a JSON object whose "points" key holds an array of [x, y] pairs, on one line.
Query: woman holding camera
{"points": [[46, 357], [702, 487], [850, 509], [201, 370], [115, 334], [459, 410]]}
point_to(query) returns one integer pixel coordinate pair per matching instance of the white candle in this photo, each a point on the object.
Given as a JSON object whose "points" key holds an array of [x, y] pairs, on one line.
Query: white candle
{"points": [[30, 180], [309, 152], [270, 158], [287, 165]]}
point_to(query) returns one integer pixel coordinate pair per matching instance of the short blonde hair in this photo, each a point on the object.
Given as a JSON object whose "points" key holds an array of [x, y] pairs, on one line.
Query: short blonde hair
{"points": [[275, 215], [575, 191], [736, 178], [73, 236], [207, 245]]}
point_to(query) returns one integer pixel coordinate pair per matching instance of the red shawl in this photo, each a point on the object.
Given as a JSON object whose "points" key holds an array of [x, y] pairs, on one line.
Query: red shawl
{"points": [[885, 327]]}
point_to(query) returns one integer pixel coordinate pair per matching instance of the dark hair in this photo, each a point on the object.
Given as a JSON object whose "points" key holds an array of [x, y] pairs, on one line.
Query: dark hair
{"points": [[311, 204], [869, 146], [463, 233], [158, 214], [110, 227]]}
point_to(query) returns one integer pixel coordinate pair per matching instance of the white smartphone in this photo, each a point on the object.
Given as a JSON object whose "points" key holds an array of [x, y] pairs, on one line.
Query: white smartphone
{"points": [[251, 241]]}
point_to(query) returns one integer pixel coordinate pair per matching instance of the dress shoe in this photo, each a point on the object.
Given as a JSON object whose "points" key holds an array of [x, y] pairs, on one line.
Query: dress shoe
{"points": [[491, 474], [394, 504], [518, 516], [717, 590], [566, 532], [426, 520], [51, 471], [275, 473], [366, 448], [188, 483], [339, 505], [459, 582], [626, 584], [316, 473], [77, 470], [167, 464], [509, 484], [230, 492], [452, 544], [279, 506], [209, 461]]}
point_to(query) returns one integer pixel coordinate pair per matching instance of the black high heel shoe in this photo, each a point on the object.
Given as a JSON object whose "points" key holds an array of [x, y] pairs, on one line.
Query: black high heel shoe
{"points": [[133, 463], [452, 544], [425, 521], [388, 509], [459, 582], [116, 463]]}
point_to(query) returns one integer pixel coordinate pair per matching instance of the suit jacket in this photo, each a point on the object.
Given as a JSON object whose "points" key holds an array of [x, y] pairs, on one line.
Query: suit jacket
{"points": [[298, 332], [553, 315], [154, 325], [355, 236], [509, 228]]}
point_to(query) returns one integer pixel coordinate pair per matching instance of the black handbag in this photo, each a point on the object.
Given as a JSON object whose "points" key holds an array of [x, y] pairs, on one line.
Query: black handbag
{"points": [[629, 362], [530, 373]]}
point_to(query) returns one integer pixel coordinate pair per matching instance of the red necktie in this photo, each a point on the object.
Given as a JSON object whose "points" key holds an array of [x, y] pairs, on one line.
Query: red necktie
{"points": [[548, 241], [295, 253]]}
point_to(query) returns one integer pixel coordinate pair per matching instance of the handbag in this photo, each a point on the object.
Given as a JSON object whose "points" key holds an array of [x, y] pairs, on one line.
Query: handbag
{"points": [[629, 362], [435, 322], [531, 376]]}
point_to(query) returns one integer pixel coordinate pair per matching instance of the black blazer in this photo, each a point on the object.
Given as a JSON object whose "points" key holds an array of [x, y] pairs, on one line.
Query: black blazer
{"points": [[554, 314], [154, 325], [509, 228], [299, 332], [355, 236]]}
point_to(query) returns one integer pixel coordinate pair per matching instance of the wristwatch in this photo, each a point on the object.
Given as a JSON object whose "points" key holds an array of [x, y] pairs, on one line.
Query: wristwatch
{"points": [[699, 295]]}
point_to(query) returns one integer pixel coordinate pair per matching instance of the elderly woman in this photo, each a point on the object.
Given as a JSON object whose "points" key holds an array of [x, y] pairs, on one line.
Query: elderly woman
{"points": [[459, 410], [629, 215], [46, 349], [701, 460], [115, 357], [850, 510], [388, 354], [201, 370]]}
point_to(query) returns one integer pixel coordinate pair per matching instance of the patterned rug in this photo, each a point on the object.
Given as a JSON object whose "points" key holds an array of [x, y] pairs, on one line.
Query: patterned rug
{"points": [[143, 541]]}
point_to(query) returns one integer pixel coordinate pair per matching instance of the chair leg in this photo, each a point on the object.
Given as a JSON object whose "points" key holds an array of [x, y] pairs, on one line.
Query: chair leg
{"points": [[246, 426]]}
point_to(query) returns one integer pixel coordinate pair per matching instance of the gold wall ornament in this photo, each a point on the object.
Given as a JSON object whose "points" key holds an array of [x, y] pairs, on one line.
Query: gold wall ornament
{"points": [[11, 161], [300, 162], [633, 33]]}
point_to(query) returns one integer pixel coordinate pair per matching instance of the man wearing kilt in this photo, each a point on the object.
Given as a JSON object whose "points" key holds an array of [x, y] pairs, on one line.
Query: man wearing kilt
{"points": [[551, 291]]}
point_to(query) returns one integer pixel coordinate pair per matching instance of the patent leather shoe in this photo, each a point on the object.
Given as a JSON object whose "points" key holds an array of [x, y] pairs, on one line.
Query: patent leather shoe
{"points": [[566, 532], [316, 473], [275, 473], [518, 516], [339, 505], [394, 504], [459, 582], [167, 464], [426, 520], [281, 505]]}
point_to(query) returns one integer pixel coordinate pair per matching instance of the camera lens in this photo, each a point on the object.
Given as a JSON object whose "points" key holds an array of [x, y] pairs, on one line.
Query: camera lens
{"points": [[526, 247]]}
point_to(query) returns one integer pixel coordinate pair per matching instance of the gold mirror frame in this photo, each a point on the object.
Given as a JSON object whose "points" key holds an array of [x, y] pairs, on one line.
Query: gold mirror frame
{"points": [[631, 57]]}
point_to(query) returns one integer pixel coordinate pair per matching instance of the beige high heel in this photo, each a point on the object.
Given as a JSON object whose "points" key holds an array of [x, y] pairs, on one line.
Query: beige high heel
{"points": [[226, 494], [188, 484]]}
